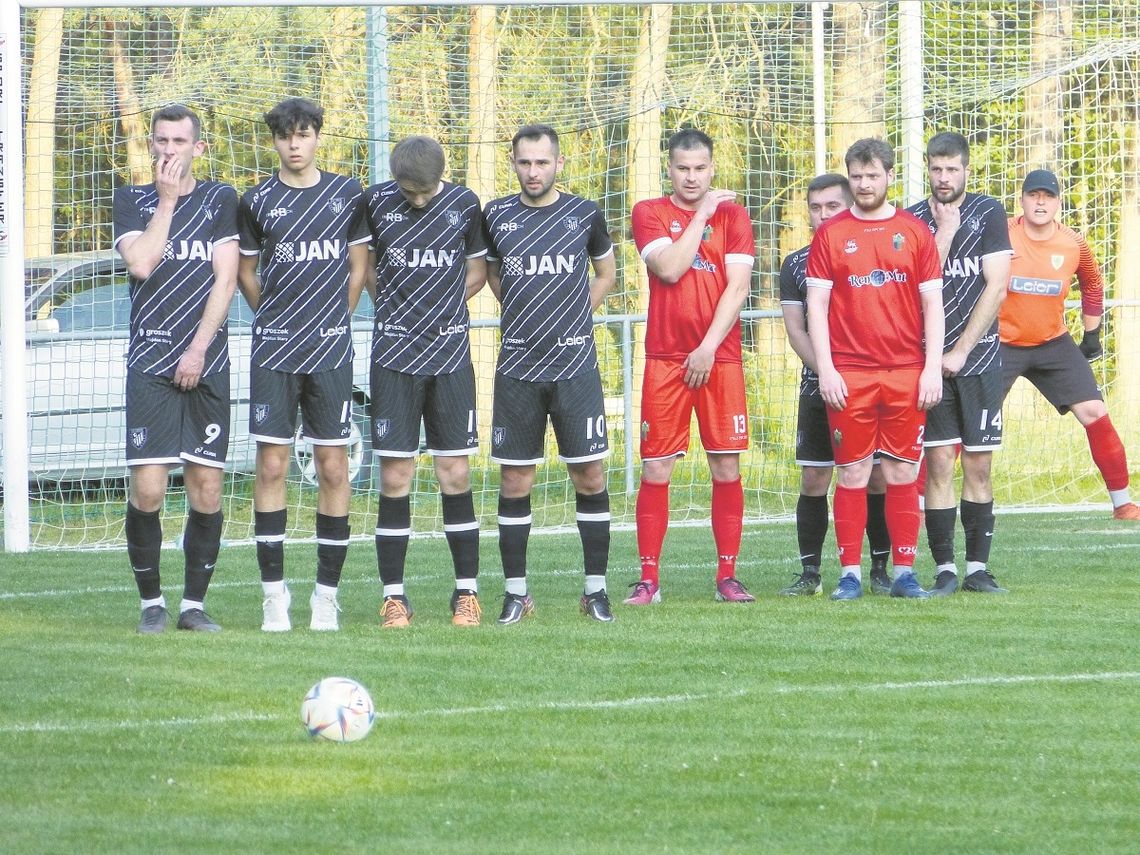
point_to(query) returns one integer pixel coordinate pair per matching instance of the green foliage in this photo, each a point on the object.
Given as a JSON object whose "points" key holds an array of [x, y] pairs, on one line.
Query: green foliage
{"points": [[973, 724]]}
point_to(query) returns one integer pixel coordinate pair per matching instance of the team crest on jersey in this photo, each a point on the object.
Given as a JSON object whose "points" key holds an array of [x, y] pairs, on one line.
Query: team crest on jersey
{"points": [[708, 232], [383, 426], [897, 241], [675, 227], [453, 219], [260, 413], [644, 431], [209, 212], [138, 437], [336, 204], [1057, 261], [498, 435], [851, 247], [837, 438], [974, 224], [571, 224]]}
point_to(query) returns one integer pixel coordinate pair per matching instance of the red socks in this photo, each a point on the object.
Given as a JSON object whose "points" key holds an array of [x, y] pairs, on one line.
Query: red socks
{"points": [[652, 523], [850, 509], [727, 523], [1108, 453], [902, 522]]}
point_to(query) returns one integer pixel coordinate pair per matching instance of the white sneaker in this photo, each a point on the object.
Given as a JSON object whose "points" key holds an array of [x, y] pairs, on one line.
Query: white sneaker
{"points": [[324, 609], [275, 612]]}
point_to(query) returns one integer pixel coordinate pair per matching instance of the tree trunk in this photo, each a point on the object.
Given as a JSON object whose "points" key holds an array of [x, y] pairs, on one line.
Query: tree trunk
{"points": [[1044, 108], [39, 204], [859, 88], [131, 117]]}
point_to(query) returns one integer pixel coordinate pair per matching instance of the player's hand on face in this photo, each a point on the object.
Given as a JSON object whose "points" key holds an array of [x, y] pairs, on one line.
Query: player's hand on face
{"points": [[698, 367], [929, 388], [168, 176], [947, 216], [833, 389], [713, 199]]}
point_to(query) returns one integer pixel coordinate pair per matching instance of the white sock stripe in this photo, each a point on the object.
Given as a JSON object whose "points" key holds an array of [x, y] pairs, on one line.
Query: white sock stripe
{"points": [[269, 538], [393, 532], [328, 541], [527, 520], [463, 526], [603, 517]]}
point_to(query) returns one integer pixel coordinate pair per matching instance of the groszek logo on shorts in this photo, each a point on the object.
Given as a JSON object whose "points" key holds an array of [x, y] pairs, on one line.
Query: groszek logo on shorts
{"points": [[382, 427], [138, 437], [837, 437], [498, 435], [260, 413]]}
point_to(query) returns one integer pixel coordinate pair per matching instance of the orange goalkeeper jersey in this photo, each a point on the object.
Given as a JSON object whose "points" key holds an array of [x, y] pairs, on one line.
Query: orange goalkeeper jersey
{"points": [[1040, 278]]}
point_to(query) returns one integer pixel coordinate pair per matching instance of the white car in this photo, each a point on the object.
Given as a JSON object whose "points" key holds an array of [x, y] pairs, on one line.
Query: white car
{"points": [[78, 321]]}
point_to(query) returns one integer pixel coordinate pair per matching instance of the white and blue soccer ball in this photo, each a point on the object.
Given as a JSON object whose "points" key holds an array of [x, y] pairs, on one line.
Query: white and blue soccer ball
{"points": [[338, 709]]}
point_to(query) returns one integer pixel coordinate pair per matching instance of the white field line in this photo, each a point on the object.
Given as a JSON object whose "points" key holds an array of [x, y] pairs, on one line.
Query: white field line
{"points": [[611, 704]]}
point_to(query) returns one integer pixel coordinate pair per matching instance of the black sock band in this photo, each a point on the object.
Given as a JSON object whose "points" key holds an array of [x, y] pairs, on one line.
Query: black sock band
{"points": [[200, 545], [514, 533], [811, 528], [978, 525], [332, 548], [878, 537], [462, 532], [269, 534], [393, 528], [940, 533], [144, 549], [593, 515]]}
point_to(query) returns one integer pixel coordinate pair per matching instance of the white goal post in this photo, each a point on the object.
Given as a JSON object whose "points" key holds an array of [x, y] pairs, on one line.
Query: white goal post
{"points": [[782, 87]]}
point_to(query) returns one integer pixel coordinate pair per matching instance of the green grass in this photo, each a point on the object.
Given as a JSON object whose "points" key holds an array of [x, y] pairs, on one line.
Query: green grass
{"points": [[973, 724]]}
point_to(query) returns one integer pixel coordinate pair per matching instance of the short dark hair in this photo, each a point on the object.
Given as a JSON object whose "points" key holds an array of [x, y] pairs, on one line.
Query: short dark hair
{"points": [[418, 160], [948, 144], [689, 139], [295, 114], [829, 180], [176, 113], [534, 133], [868, 150]]}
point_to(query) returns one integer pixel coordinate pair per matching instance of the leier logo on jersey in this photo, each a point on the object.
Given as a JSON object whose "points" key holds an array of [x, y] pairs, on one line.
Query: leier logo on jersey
{"points": [[1034, 286], [188, 250], [296, 252]]}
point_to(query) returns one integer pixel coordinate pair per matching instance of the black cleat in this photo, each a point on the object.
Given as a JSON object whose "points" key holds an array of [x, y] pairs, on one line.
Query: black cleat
{"points": [[880, 579], [197, 620], [981, 582], [596, 606], [945, 584], [808, 584], [515, 608], [153, 620]]}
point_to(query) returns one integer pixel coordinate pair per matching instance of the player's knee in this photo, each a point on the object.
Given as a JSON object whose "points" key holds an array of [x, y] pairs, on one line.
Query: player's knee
{"points": [[815, 480]]}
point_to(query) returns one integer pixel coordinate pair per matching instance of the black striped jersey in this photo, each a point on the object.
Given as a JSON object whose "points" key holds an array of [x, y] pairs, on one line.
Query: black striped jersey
{"points": [[793, 292], [167, 306], [302, 234], [984, 231], [544, 266], [421, 277]]}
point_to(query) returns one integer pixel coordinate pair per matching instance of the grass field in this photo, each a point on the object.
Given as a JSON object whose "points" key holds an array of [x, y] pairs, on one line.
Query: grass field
{"points": [[973, 724]]}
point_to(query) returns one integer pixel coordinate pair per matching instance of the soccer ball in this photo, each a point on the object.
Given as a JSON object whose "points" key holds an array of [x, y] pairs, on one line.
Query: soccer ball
{"points": [[338, 709]]}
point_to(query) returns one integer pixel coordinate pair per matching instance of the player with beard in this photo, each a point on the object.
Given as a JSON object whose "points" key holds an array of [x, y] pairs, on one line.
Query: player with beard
{"points": [[1035, 342], [429, 260], [973, 245], [178, 237], [698, 248], [827, 195], [876, 325], [304, 245], [541, 245]]}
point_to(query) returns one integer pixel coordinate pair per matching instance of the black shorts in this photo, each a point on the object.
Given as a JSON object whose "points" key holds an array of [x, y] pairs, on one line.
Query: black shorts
{"points": [[969, 413], [1057, 368], [168, 426], [444, 402], [813, 436], [325, 400], [576, 409]]}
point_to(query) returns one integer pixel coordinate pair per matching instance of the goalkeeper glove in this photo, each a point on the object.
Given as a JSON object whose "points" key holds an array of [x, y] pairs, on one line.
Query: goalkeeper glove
{"points": [[1090, 345]]}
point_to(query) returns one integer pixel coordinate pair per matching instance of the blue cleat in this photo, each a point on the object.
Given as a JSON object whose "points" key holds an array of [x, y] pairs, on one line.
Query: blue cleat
{"points": [[906, 585], [849, 588]]}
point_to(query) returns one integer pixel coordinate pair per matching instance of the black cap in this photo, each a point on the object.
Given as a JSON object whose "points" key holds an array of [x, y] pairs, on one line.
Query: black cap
{"points": [[1041, 179]]}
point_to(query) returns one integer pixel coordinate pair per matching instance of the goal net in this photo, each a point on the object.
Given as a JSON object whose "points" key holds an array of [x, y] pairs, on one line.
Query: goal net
{"points": [[783, 89]]}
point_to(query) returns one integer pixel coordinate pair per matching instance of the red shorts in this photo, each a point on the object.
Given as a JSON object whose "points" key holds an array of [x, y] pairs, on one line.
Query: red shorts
{"points": [[667, 406], [882, 414]]}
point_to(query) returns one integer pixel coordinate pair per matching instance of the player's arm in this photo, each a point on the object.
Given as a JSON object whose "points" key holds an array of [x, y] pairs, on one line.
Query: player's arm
{"points": [[248, 279], [995, 270], [605, 277], [357, 273], [224, 261], [143, 252], [370, 279], [947, 220], [1092, 299], [934, 328], [476, 276], [831, 385], [494, 278], [670, 261], [795, 325], [698, 364]]}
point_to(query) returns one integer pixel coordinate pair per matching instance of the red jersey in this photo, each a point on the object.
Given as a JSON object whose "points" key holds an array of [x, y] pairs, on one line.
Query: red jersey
{"points": [[875, 270], [680, 314], [1040, 277]]}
